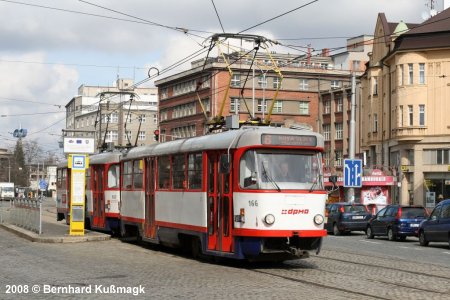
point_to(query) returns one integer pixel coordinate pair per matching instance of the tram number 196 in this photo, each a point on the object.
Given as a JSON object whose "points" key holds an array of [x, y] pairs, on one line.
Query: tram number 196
{"points": [[252, 203]]}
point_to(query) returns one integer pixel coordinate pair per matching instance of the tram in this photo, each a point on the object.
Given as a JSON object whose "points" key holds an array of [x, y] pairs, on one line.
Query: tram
{"points": [[103, 192], [63, 192], [223, 194]]}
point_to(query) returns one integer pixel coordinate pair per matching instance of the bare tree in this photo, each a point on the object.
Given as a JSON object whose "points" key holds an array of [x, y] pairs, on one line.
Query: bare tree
{"points": [[32, 151]]}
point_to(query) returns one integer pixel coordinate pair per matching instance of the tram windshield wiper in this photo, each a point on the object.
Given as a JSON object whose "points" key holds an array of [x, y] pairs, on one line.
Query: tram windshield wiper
{"points": [[269, 178], [314, 183]]}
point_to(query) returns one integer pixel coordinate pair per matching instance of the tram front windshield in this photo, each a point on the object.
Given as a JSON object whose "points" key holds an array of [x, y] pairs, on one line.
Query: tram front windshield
{"points": [[277, 170]]}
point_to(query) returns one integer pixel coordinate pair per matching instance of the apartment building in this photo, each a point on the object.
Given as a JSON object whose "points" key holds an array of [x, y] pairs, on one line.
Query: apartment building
{"points": [[405, 105], [252, 92], [121, 114]]}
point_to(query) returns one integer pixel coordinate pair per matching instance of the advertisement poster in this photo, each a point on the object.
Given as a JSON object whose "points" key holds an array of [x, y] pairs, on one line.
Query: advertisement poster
{"points": [[376, 196]]}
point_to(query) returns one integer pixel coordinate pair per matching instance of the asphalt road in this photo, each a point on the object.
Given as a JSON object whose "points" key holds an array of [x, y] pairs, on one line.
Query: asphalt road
{"points": [[409, 250]]}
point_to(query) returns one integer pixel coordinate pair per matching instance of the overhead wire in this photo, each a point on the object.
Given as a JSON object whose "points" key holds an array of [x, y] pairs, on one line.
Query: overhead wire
{"points": [[217, 14]]}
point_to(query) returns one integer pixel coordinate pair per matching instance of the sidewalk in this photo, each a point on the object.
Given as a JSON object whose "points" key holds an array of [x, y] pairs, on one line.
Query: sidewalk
{"points": [[54, 231]]}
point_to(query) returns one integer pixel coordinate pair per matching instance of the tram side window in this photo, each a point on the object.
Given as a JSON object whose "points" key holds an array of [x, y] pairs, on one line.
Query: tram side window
{"points": [[127, 174], [63, 178], [195, 168], [178, 171], [88, 179], [113, 176], [137, 173], [58, 178], [247, 172], [163, 172]]}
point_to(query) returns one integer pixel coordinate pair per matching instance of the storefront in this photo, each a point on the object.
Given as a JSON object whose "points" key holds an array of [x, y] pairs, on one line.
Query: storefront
{"points": [[375, 191]]}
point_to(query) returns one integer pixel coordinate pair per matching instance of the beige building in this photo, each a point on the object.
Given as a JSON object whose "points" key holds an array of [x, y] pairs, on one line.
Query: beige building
{"points": [[122, 114], [405, 105]]}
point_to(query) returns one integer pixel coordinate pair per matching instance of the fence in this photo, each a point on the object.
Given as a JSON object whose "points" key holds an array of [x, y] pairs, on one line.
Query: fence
{"points": [[27, 213]]}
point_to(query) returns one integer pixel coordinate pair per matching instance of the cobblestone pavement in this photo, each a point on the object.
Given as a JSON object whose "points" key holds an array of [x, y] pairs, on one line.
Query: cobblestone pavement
{"points": [[165, 274], [112, 268]]}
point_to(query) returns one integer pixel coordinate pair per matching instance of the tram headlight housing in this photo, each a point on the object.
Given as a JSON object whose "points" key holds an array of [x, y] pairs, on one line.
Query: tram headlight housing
{"points": [[318, 219], [269, 219]]}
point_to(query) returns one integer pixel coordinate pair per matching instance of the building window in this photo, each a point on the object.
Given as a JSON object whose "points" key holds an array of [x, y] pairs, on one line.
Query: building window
{"points": [[410, 115], [410, 156], [278, 106], [236, 80], [276, 82], [142, 118], [402, 75], [339, 131], [411, 74], [327, 106], [141, 136], [326, 131], [260, 105], [164, 93], [112, 135], [335, 84], [234, 105], [401, 116], [338, 158], [339, 104], [356, 64], [422, 115], [304, 85], [127, 136], [262, 81], [206, 105], [436, 156], [304, 107], [421, 73], [155, 118], [375, 122], [375, 86]]}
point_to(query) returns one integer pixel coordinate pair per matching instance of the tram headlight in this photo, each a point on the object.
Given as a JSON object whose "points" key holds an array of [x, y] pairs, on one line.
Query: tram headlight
{"points": [[269, 219], [318, 219]]}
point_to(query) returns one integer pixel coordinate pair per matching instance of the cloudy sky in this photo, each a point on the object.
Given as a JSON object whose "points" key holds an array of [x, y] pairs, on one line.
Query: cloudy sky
{"points": [[49, 48]]}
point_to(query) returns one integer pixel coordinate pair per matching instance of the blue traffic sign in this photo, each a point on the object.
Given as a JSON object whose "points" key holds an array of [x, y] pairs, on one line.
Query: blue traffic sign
{"points": [[352, 172], [43, 185]]}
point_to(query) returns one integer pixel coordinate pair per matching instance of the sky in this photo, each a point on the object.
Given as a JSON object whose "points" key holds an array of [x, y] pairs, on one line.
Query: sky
{"points": [[49, 48]]}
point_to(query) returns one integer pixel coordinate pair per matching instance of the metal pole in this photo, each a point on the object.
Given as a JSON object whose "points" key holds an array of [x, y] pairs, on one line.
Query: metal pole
{"points": [[352, 134], [40, 215], [264, 95], [253, 91]]}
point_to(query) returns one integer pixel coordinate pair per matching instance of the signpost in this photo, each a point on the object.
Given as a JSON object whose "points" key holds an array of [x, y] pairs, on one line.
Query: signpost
{"points": [[78, 161], [352, 173]]}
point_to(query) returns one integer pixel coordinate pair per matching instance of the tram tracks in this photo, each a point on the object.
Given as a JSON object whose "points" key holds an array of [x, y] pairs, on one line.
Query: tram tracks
{"points": [[374, 280]]}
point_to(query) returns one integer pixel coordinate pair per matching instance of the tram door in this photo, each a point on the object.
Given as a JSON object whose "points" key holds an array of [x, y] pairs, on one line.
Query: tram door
{"points": [[98, 197], [149, 227], [219, 205]]}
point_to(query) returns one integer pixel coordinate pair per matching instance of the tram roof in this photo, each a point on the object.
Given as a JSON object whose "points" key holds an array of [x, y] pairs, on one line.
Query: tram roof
{"points": [[245, 136], [105, 157]]}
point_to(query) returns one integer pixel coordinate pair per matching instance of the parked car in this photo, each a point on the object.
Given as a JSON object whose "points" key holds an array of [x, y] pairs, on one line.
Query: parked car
{"points": [[396, 221], [345, 217], [436, 228]]}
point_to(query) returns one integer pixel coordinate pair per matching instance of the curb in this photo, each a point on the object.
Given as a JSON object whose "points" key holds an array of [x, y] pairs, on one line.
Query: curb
{"points": [[34, 237]]}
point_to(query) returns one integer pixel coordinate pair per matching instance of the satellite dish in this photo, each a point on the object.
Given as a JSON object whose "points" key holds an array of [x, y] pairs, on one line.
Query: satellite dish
{"points": [[425, 15]]}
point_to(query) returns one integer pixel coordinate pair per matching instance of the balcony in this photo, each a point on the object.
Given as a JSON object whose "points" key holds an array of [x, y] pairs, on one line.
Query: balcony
{"points": [[409, 134]]}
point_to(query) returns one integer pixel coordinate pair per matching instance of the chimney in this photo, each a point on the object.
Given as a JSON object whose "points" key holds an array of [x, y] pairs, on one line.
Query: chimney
{"points": [[325, 52]]}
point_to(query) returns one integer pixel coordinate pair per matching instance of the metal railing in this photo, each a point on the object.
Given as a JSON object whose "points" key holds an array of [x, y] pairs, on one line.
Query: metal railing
{"points": [[27, 213]]}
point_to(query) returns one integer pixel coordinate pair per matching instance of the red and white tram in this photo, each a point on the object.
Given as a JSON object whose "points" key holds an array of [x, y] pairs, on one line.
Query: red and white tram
{"points": [[103, 191], [226, 194], [62, 192]]}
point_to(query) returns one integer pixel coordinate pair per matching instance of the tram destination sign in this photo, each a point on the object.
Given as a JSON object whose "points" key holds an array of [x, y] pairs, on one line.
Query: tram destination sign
{"points": [[289, 140]]}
